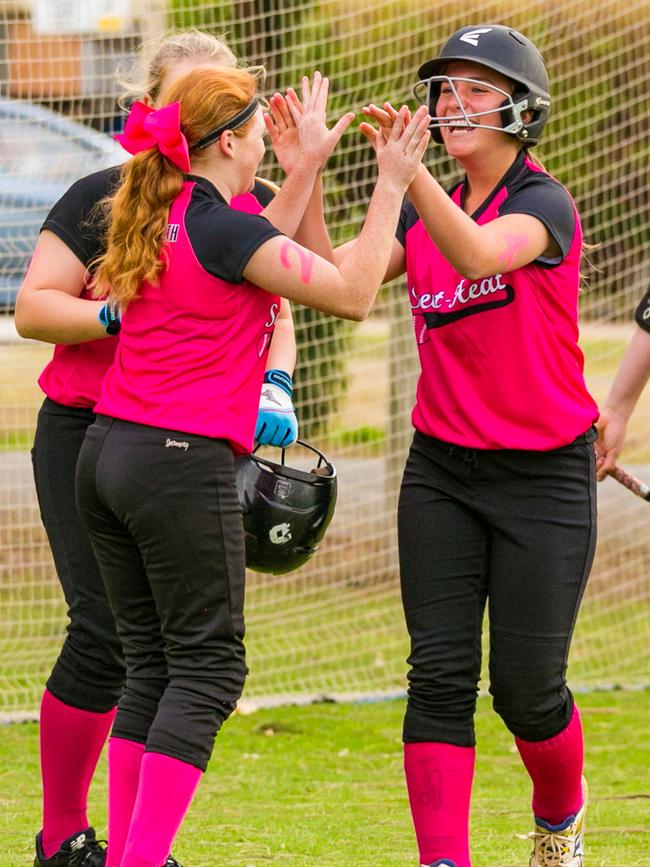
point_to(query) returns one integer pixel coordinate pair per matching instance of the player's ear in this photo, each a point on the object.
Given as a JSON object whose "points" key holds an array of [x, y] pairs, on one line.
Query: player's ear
{"points": [[227, 144]]}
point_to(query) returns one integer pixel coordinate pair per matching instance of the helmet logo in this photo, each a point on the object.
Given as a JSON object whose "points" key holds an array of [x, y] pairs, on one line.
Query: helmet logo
{"points": [[473, 36], [280, 534], [282, 488]]}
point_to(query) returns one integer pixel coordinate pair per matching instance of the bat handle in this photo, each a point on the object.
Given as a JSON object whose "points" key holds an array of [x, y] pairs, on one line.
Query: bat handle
{"points": [[631, 483]]}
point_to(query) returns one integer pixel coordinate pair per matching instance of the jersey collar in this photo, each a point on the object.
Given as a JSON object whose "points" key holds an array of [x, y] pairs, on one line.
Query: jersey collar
{"points": [[510, 175]]}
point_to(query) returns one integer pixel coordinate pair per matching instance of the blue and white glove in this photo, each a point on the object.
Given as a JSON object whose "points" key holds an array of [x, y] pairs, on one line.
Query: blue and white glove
{"points": [[277, 424], [110, 316]]}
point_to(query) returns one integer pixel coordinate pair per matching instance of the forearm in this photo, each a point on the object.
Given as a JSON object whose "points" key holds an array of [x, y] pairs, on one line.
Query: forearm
{"points": [[282, 352], [56, 317], [288, 207], [364, 263], [631, 378], [312, 232], [453, 232]]}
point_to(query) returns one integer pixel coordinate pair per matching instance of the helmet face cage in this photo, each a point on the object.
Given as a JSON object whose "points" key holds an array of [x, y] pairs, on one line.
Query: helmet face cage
{"points": [[502, 50], [428, 92], [285, 510]]}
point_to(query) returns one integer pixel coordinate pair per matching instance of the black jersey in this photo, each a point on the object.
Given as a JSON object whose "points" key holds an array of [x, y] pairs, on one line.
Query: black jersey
{"points": [[76, 218]]}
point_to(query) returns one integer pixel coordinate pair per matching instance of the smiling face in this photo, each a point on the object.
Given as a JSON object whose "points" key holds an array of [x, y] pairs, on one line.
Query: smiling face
{"points": [[473, 97]]}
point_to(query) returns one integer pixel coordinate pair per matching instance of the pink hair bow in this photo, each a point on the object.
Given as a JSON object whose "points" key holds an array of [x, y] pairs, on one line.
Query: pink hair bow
{"points": [[147, 128]]}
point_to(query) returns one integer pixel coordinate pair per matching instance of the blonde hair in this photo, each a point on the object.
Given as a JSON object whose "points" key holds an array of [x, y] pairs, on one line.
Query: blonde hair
{"points": [[138, 211], [155, 56]]}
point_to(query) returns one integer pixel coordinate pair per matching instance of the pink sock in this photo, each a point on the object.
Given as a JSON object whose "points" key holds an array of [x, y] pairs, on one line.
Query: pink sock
{"points": [[71, 742], [124, 760], [439, 780], [165, 793], [555, 767]]}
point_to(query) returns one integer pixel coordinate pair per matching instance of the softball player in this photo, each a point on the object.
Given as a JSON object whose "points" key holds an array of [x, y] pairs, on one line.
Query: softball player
{"points": [[55, 305], [631, 379], [497, 503], [155, 479]]}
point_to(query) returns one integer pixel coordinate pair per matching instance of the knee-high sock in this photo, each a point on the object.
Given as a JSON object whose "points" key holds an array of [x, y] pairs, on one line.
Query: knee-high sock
{"points": [[124, 761], [439, 780], [165, 793], [71, 743], [555, 767]]}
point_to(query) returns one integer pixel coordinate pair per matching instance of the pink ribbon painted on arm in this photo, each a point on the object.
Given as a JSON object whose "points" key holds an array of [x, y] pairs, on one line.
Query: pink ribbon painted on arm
{"points": [[147, 128]]}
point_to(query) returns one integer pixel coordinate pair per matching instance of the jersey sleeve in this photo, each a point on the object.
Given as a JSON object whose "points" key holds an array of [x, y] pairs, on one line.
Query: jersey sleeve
{"points": [[264, 192], [407, 218], [642, 313], [73, 218], [224, 239], [547, 200]]}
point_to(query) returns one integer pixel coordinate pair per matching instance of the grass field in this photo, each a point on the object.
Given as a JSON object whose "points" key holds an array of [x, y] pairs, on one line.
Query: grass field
{"points": [[323, 785]]}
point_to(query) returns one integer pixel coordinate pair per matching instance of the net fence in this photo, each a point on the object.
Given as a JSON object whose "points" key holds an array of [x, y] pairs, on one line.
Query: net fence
{"points": [[335, 627]]}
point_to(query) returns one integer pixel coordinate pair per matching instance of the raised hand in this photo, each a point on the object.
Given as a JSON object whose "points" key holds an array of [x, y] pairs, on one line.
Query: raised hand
{"points": [[283, 132], [298, 128], [400, 150], [385, 117]]}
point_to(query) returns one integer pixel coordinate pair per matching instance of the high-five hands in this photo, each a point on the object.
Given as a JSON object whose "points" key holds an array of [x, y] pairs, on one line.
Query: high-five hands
{"points": [[298, 128], [401, 146]]}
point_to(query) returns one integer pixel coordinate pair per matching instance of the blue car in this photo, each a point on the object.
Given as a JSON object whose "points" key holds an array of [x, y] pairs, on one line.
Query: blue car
{"points": [[41, 154]]}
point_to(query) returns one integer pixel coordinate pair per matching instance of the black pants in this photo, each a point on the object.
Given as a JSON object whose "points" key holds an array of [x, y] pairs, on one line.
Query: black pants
{"points": [[89, 673], [515, 528], [162, 512]]}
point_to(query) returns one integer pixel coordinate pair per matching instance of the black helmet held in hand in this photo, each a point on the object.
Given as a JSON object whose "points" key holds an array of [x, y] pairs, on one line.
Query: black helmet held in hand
{"points": [[506, 51], [286, 510]]}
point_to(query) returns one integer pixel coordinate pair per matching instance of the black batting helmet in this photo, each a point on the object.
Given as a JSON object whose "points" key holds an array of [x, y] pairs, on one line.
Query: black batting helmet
{"points": [[506, 51], [286, 510]]}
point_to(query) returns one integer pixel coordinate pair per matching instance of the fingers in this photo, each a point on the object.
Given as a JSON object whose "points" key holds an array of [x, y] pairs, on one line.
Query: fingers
{"points": [[341, 125], [292, 102], [323, 93], [311, 95], [280, 110], [369, 132], [382, 117], [418, 129], [271, 128]]}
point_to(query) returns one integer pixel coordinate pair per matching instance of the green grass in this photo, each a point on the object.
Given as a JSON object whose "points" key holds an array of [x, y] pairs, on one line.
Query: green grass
{"points": [[323, 785]]}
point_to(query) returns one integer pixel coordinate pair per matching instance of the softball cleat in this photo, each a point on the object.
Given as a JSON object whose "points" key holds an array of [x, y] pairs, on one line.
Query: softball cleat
{"points": [[560, 845], [79, 850], [445, 862]]}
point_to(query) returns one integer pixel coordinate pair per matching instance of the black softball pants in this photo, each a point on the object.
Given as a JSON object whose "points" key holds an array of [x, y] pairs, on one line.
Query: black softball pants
{"points": [[516, 529], [89, 673], [163, 515]]}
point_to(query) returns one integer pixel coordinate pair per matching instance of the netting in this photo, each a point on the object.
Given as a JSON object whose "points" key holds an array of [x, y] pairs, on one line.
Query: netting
{"points": [[335, 627]]}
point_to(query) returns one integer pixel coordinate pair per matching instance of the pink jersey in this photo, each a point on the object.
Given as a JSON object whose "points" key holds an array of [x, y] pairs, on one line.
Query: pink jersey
{"points": [[74, 375], [501, 367], [192, 350]]}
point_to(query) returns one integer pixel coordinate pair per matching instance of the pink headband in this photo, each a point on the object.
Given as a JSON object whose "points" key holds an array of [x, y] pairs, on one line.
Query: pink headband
{"points": [[147, 128]]}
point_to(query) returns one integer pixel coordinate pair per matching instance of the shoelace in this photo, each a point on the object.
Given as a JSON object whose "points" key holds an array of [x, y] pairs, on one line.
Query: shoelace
{"points": [[93, 854], [553, 849]]}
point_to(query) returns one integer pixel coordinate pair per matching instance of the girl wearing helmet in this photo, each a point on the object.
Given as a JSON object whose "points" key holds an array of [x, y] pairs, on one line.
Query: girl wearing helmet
{"points": [[497, 503], [55, 305]]}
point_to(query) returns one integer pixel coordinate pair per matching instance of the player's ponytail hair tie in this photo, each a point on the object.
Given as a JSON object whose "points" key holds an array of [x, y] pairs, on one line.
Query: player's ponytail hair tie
{"points": [[148, 128], [234, 122]]}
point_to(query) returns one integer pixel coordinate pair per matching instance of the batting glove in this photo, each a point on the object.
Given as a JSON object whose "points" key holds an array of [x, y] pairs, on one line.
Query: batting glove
{"points": [[277, 424], [110, 316]]}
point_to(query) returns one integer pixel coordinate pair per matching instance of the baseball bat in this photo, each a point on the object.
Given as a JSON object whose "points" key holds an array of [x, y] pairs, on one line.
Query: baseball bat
{"points": [[631, 483]]}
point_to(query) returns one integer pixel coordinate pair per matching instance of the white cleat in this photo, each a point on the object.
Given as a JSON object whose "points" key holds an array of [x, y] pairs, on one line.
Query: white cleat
{"points": [[561, 845]]}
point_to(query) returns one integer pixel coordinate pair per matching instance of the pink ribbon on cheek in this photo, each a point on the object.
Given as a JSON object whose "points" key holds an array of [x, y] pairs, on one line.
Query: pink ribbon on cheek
{"points": [[147, 128]]}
